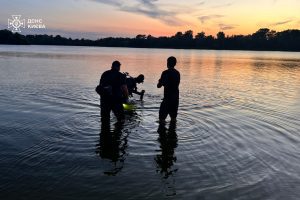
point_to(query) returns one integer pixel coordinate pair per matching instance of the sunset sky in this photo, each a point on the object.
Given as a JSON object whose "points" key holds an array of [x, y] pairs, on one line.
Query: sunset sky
{"points": [[102, 18]]}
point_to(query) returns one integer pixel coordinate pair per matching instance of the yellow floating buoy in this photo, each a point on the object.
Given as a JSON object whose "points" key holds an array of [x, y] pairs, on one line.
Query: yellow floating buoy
{"points": [[128, 107]]}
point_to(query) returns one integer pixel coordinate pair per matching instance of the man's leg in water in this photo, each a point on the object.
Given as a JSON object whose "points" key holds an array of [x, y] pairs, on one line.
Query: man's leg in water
{"points": [[105, 110], [118, 110], [173, 109], [163, 111]]}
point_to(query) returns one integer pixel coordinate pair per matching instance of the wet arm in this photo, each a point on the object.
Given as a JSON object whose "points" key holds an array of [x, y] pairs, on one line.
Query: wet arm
{"points": [[136, 92], [160, 81], [159, 84]]}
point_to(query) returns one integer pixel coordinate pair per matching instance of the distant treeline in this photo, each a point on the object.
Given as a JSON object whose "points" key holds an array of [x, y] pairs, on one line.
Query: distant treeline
{"points": [[263, 39]]}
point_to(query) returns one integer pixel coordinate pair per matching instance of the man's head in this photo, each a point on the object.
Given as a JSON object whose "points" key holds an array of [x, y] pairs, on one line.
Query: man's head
{"points": [[140, 78], [171, 62], [116, 65]]}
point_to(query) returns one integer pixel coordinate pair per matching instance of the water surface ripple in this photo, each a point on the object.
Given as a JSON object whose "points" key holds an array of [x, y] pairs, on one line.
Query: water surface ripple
{"points": [[236, 137]]}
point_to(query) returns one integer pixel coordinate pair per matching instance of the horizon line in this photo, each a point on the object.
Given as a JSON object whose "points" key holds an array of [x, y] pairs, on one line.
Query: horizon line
{"points": [[132, 37]]}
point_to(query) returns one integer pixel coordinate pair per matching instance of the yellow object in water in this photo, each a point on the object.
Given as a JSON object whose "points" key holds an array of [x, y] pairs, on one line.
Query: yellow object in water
{"points": [[128, 107]]}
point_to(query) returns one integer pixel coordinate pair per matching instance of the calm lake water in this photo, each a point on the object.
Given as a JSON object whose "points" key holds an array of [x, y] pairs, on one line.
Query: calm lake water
{"points": [[237, 134]]}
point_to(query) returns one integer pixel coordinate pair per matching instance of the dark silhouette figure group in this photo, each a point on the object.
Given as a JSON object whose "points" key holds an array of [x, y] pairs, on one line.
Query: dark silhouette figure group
{"points": [[114, 89]]}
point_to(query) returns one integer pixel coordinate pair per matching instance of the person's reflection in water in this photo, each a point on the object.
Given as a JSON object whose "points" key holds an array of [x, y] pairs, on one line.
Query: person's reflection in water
{"points": [[113, 142], [168, 142], [165, 161], [112, 146]]}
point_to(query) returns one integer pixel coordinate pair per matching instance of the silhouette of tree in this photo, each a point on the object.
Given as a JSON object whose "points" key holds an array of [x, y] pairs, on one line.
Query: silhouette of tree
{"points": [[178, 35], [200, 40], [221, 40], [261, 34], [200, 36], [141, 37], [221, 36], [188, 35], [7, 37]]}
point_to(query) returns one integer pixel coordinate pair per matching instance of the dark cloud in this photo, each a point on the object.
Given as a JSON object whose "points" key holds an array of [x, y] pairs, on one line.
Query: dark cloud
{"points": [[200, 3], [281, 23], [109, 2], [224, 27], [147, 8], [223, 5], [205, 18]]}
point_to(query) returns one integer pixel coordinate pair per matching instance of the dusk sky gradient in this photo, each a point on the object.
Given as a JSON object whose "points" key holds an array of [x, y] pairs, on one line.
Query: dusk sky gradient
{"points": [[101, 18]]}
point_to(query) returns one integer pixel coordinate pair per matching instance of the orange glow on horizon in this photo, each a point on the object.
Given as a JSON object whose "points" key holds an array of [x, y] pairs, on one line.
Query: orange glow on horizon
{"points": [[162, 17]]}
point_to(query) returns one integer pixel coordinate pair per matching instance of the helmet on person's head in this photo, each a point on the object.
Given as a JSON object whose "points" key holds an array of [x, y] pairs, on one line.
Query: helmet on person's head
{"points": [[140, 78], [116, 65], [171, 62]]}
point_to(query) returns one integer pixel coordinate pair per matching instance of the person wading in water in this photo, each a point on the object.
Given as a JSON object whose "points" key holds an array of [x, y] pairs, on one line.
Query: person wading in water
{"points": [[113, 90], [170, 79]]}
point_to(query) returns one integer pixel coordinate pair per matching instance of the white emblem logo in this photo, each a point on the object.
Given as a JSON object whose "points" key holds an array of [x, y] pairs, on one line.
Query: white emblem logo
{"points": [[16, 23]]}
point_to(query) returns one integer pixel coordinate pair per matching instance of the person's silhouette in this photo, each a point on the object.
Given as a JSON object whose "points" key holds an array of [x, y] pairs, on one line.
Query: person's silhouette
{"points": [[132, 85], [170, 79], [112, 89]]}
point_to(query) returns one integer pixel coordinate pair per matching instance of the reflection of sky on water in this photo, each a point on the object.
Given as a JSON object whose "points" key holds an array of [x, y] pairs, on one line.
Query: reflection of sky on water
{"points": [[237, 128]]}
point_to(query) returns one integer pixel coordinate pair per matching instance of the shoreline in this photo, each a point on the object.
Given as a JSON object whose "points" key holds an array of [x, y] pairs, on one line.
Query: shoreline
{"points": [[206, 49]]}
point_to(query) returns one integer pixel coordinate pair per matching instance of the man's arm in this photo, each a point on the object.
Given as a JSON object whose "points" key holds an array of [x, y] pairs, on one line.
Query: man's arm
{"points": [[161, 81], [159, 84], [102, 78], [136, 92]]}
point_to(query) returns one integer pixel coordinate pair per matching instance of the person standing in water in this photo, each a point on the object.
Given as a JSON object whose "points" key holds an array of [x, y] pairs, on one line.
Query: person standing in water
{"points": [[112, 90], [170, 79]]}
